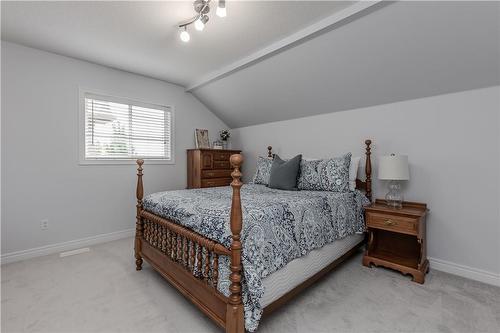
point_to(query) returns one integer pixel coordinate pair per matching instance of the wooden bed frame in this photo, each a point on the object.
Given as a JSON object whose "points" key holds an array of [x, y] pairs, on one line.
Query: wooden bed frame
{"points": [[174, 251]]}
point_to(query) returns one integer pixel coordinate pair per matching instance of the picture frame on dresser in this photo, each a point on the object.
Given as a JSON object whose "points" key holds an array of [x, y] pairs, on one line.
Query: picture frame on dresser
{"points": [[201, 138]]}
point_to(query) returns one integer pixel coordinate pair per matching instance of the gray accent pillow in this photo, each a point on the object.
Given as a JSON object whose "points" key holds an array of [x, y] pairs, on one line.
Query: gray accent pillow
{"points": [[263, 170], [284, 173]]}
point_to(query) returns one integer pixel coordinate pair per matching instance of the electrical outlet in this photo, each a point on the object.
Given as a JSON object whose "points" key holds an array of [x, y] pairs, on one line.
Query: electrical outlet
{"points": [[44, 224]]}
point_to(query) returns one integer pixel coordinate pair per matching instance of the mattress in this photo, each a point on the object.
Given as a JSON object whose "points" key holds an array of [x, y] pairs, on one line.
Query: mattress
{"points": [[299, 270]]}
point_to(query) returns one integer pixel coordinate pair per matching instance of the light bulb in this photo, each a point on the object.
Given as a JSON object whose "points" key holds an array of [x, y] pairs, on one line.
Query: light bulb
{"points": [[221, 12], [185, 36], [221, 9], [199, 25]]}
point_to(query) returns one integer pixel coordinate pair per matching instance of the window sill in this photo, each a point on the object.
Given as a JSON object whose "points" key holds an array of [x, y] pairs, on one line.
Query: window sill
{"points": [[125, 162]]}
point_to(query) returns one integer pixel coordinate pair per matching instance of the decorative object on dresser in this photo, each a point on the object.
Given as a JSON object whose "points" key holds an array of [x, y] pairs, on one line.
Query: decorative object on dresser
{"points": [[217, 145], [224, 136], [394, 168], [209, 167], [397, 239], [201, 138]]}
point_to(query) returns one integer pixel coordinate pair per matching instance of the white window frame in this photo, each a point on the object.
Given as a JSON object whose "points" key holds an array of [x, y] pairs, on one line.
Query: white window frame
{"points": [[110, 161]]}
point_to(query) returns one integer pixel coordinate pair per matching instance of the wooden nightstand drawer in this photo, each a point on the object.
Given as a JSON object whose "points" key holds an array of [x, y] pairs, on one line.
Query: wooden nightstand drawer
{"points": [[399, 224]]}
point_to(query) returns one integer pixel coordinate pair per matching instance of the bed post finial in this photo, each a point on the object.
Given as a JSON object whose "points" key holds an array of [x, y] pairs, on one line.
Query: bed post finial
{"points": [[269, 151], [368, 169], [235, 322], [139, 192]]}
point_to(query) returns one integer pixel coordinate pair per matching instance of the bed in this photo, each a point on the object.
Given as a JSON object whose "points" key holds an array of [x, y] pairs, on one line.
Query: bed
{"points": [[237, 262]]}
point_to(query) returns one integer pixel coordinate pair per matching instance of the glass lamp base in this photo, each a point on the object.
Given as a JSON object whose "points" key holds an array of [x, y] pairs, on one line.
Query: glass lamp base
{"points": [[394, 197]]}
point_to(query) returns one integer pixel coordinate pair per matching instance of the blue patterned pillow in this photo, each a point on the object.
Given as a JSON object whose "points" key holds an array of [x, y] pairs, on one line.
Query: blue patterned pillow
{"points": [[309, 176], [334, 173], [263, 171], [325, 175]]}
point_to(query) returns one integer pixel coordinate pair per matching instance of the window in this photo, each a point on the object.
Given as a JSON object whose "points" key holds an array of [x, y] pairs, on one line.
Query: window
{"points": [[117, 129]]}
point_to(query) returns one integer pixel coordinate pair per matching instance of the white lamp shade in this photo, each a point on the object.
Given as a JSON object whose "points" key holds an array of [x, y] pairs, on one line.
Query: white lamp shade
{"points": [[393, 167]]}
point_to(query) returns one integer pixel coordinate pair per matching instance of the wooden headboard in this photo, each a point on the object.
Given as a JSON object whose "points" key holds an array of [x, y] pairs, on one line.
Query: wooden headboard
{"points": [[367, 184], [360, 185]]}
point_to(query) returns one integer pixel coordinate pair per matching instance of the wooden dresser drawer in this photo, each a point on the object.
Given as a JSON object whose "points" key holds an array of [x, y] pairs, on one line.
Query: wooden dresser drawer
{"points": [[216, 174], [221, 165], [215, 182], [207, 161], [209, 167], [221, 156], [401, 224]]}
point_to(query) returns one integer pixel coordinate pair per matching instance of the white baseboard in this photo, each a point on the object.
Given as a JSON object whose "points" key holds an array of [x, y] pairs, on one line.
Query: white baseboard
{"points": [[65, 246], [437, 264], [465, 271]]}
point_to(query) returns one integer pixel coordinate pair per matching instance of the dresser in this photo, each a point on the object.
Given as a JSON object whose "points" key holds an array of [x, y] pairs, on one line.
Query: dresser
{"points": [[209, 167], [397, 238]]}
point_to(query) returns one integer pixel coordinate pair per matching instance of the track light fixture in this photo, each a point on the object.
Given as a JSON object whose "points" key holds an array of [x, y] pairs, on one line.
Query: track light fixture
{"points": [[202, 8]]}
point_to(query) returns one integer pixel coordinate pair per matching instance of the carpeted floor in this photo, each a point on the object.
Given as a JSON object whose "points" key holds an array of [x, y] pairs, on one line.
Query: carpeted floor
{"points": [[100, 291]]}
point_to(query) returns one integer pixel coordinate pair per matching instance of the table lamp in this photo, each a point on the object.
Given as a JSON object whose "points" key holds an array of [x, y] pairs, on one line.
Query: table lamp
{"points": [[394, 168]]}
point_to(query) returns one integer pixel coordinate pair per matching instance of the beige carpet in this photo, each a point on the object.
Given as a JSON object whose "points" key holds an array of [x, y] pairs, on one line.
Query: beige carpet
{"points": [[100, 291]]}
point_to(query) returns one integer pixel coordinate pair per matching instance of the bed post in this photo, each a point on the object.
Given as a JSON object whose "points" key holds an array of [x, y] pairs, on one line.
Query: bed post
{"points": [[235, 322], [368, 170], [269, 151], [138, 224]]}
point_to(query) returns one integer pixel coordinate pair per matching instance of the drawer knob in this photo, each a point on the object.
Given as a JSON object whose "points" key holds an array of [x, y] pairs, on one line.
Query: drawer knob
{"points": [[390, 222]]}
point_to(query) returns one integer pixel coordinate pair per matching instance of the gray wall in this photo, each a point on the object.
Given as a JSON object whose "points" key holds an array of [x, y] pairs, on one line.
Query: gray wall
{"points": [[453, 146], [41, 177]]}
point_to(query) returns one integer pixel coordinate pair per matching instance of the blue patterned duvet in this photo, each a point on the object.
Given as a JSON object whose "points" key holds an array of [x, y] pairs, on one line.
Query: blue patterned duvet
{"points": [[278, 226]]}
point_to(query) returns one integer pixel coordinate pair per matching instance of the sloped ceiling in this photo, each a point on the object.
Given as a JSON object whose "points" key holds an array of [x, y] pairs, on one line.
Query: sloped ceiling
{"points": [[398, 51]]}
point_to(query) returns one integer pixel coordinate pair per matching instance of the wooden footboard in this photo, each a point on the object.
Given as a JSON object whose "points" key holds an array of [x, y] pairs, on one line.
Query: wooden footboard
{"points": [[187, 260], [190, 261]]}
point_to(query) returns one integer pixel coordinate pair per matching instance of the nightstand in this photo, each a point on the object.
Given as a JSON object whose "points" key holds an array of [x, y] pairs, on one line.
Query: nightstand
{"points": [[396, 238]]}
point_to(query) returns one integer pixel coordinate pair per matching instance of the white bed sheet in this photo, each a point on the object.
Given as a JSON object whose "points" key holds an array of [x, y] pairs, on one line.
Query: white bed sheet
{"points": [[298, 270]]}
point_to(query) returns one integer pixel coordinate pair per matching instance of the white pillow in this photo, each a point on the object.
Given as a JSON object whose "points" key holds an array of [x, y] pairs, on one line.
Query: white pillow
{"points": [[353, 172]]}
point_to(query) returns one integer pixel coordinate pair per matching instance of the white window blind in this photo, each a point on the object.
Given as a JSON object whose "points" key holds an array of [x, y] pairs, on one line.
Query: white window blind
{"points": [[118, 129]]}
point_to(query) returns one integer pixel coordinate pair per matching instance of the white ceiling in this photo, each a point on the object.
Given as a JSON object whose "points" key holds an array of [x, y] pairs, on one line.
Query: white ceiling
{"points": [[142, 37]]}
